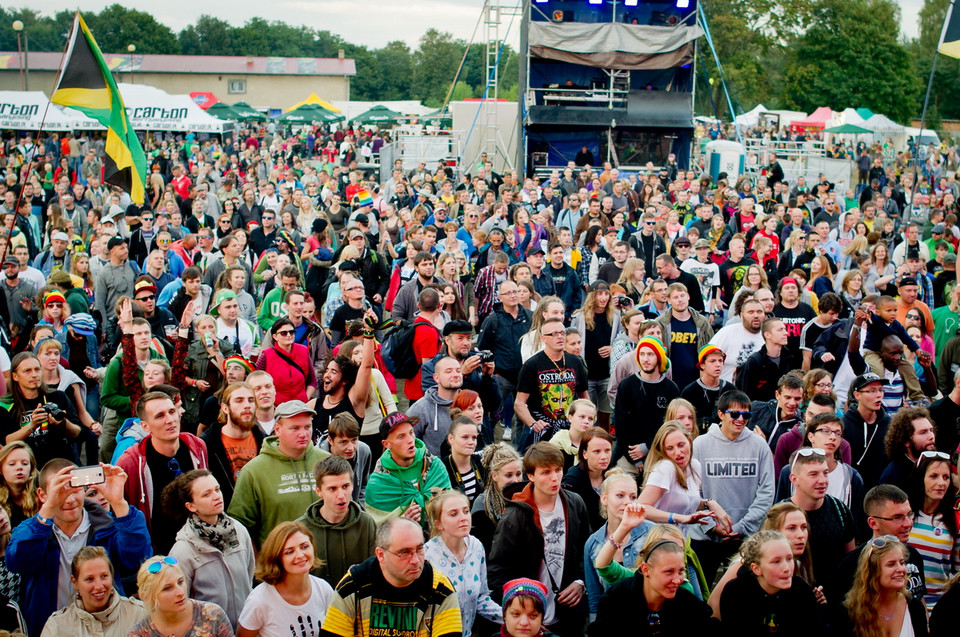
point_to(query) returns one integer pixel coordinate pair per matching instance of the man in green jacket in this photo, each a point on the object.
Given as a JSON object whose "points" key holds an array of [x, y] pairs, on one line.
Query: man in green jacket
{"points": [[277, 485], [406, 476], [343, 534]]}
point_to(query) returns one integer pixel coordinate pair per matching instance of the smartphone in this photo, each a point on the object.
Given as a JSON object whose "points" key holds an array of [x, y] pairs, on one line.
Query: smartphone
{"points": [[86, 476]]}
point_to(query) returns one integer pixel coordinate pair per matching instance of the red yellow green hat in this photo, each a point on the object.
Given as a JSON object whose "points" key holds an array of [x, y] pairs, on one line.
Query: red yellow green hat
{"points": [[706, 350], [52, 297], [658, 349], [236, 359]]}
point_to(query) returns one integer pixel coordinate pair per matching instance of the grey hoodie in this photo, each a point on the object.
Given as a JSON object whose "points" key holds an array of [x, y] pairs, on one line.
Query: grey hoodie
{"points": [[112, 282], [738, 474], [434, 415]]}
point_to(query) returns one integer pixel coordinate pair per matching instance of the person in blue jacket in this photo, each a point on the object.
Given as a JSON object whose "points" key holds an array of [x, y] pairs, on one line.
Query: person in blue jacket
{"points": [[43, 546]]}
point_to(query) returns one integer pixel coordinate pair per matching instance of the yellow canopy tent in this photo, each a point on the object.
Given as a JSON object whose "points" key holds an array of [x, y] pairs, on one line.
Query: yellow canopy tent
{"points": [[314, 99]]}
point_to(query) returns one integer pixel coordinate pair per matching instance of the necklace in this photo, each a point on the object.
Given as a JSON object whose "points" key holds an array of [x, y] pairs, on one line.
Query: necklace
{"points": [[563, 362]]}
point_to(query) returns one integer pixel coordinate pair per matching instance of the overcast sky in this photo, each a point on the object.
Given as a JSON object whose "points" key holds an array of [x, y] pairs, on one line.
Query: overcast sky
{"points": [[357, 21]]}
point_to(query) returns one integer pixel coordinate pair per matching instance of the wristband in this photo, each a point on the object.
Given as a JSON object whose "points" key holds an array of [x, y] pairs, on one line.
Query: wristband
{"points": [[670, 519], [614, 543], [44, 521], [183, 327]]}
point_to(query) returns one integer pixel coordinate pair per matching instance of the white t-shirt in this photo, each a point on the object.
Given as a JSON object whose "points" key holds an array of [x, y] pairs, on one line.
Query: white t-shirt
{"points": [[265, 610], [554, 527], [738, 344], [676, 499]]}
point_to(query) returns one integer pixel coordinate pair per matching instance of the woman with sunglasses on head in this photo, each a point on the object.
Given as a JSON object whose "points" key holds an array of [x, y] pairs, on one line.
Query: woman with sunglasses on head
{"points": [[163, 590], [215, 551], [879, 605], [654, 600], [288, 594], [767, 596], [935, 530], [98, 609]]}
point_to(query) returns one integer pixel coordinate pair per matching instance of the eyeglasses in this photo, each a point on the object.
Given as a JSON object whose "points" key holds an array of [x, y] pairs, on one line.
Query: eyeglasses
{"points": [[407, 554], [883, 540], [174, 466], [155, 567], [166, 241], [938, 455], [285, 333], [510, 293], [897, 519], [555, 334], [827, 431], [875, 390], [146, 298], [737, 415]]}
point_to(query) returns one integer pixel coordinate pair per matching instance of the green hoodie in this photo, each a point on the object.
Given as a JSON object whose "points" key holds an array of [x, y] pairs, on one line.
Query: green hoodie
{"points": [[392, 488], [274, 488], [341, 545]]}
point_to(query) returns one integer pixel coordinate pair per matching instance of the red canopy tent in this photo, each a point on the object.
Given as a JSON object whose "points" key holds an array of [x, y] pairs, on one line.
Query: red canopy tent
{"points": [[204, 99], [817, 120]]}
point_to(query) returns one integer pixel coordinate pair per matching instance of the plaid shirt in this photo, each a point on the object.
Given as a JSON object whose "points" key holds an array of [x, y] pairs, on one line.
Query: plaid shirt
{"points": [[485, 291]]}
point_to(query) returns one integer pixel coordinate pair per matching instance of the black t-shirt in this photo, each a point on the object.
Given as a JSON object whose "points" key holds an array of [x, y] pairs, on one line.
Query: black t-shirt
{"points": [[163, 471], [731, 277], [831, 528], [794, 319], [640, 408], [345, 315], [683, 351], [704, 401], [552, 385], [609, 272], [47, 442], [598, 367], [946, 416], [693, 287]]}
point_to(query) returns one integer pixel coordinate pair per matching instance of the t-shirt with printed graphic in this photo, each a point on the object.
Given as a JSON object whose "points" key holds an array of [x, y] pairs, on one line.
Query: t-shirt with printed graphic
{"points": [[794, 319], [738, 344], [239, 451], [731, 276], [683, 351], [552, 386], [554, 528], [708, 276], [266, 611]]}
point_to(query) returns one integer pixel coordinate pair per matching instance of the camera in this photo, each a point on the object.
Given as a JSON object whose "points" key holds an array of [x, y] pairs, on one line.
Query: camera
{"points": [[486, 356], [54, 411], [622, 301]]}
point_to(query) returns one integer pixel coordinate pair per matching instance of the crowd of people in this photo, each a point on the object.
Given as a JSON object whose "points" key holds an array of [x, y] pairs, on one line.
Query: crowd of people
{"points": [[283, 397]]}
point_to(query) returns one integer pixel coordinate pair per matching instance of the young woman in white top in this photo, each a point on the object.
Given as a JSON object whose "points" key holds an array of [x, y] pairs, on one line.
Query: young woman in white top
{"points": [[289, 595], [672, 481]]}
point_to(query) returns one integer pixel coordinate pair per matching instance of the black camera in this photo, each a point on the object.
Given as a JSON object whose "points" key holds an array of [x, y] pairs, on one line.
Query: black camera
{"points": [[486, 356], [54, 411], [622, 301]]}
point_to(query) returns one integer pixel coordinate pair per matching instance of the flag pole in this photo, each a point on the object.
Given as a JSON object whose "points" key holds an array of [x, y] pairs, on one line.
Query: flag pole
{"points": [[926, 99]]}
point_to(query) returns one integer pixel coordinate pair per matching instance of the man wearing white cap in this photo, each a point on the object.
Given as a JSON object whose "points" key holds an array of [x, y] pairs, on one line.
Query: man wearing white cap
{"points": [[56, 257]]}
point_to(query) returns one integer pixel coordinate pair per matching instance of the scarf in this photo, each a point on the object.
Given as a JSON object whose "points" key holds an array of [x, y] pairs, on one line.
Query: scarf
{"points": [[220, 535]]}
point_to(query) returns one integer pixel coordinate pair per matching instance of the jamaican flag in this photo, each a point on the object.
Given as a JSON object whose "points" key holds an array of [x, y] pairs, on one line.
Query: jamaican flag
{"points": [[86, 85], [950, 36]]}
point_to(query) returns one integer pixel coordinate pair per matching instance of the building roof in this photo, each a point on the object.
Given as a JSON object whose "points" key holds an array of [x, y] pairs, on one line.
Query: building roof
{"points": [[205, 64]]}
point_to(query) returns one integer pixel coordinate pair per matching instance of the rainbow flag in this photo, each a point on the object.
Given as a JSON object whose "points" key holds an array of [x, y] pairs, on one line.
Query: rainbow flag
{"points": [[363, 198]]}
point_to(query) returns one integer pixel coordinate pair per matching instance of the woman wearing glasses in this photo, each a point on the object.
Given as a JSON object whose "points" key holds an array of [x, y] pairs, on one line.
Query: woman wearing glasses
{"points": [[935, 533], [878, 604], [163, 589], [767, 596], [289, 364], [288, 595]]}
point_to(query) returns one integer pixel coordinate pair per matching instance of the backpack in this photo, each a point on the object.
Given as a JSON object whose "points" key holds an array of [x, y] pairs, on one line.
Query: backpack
{"points": [[397, 350]]}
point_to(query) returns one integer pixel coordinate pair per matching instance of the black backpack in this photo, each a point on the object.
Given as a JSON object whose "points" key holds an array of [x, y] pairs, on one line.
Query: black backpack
{"points": [[397, 350]]}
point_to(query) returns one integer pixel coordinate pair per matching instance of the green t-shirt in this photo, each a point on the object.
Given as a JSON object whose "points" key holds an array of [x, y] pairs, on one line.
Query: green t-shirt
{"points": [[945, 323]]}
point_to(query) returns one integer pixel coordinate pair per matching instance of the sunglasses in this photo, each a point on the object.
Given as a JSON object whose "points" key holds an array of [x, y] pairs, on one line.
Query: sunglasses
{"points": [[55, 304], [155, 567], [266, 218], [146, 298], [938, 455], [146, 218], [285, 333], [737, 415], [883, 540], [807, 452]]}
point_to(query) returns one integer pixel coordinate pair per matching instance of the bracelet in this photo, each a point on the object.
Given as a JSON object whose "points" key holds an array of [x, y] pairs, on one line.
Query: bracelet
{"points": [[670, 519], [183, 327], [616, 545], [369, 334]]}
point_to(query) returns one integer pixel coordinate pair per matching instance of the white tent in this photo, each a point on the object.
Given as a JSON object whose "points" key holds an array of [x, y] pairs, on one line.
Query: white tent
{"points": [[851, 116], [151, 109], [24, 110], [883, 124], [750, 118], [788, 117]]}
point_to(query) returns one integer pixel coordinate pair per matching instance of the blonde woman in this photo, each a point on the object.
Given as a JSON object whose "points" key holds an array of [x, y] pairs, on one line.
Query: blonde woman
{"points": [[685, 413], [18, 482], [879, 605], [163, 590], [633, 279], [598, 323]]}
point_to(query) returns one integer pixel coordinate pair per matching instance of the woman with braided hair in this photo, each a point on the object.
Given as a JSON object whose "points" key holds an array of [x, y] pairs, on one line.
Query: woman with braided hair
{"points": [[503, 467]]}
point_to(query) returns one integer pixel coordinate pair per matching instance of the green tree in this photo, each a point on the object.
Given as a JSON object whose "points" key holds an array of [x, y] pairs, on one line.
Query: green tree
{"points": [[117, 27], [462, 91], [946, 79], [209, 36], [850, 56], [436, 62]]}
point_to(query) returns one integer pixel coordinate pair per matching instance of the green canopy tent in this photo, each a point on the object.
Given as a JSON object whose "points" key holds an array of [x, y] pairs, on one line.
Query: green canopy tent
{"points": [[224, 111], [310, 114], [442, 118], [848, 129], [247, 113], [378, 115]]}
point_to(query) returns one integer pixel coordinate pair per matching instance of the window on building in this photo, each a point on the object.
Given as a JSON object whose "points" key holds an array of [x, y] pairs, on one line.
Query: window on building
{"points": [[237, 87]]}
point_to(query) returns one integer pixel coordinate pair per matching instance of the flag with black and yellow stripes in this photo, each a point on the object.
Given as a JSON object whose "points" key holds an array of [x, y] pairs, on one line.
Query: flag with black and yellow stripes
{"points": [[85, 84], [950, 36]]}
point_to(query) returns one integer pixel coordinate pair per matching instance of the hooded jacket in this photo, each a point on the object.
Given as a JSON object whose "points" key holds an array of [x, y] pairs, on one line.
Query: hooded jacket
{"points": [[434, 415], [392, 488], [766, 417], [341, 545], [219, 464], [34, 553], [138, 489], [501, 334], [518, 544], [739, 475], [274, 488], [224, 578], [867, 452], [115, 620], [704, 330]]}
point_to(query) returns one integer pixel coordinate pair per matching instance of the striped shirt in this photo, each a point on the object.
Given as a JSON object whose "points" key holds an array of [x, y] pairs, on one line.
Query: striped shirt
{"points": [[940, 552], [893, 393]]}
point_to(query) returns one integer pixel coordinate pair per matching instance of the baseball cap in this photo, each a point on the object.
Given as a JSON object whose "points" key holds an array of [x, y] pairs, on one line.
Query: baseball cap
{"points": [[144, 286], [907, 280], [222, 296], [702, 243], [292, 408], [59, 277], [394, 420], [938, 229], [11, 260], [60, 236], [596, 286], [535, 249], [865, 379], [114, 242], [457, 327]]}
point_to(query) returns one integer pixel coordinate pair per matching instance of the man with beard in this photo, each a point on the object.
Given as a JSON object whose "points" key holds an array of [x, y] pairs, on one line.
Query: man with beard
{"points": [[794, 313], [19, 295], [740, 340], [345, 385], [234, 440], [910, 434]]}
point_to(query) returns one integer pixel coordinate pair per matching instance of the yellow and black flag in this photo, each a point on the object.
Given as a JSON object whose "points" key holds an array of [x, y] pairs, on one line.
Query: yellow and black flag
{"points": [[950, 36], [86, 85]]}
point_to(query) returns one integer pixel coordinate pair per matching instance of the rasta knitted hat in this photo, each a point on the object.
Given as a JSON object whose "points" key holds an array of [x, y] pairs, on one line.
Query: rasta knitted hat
{"points": [[236, 359], [658, 349], [706, 350]]}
